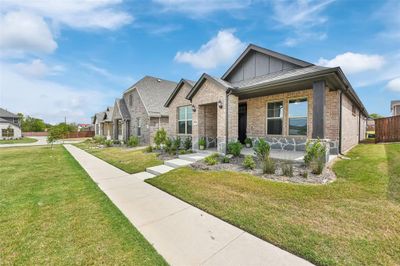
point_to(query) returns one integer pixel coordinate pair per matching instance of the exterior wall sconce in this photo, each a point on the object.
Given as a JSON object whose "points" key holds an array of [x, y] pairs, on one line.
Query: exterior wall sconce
{"points": [[193, 108], [220, 104]]}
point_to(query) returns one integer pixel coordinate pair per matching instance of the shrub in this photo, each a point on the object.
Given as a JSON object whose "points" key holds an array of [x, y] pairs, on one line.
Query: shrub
{"points": [[182, 151], [149, 148], [234, 148], [268, 166], [287, 170], [116, 141], [160, 137], [108, 143], [177, 143], [262, 150], [248, 141], [187, 144], [133, 141], [202, 142], [248, 162], [315, 156], [167, 144], [304, 174], [225, 159], [99, 139], [211, 159]]}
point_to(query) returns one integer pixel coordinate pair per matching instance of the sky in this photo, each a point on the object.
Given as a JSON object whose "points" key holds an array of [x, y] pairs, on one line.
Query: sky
{"points": [[73, 58]]}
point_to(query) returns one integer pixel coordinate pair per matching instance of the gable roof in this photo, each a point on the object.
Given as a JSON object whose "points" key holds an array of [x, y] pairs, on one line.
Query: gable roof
{"points": [[98, 117], [222, 83], [253, 47], [190, 83], [123, 110], [108, 114], [5, 113], [153, 91]]}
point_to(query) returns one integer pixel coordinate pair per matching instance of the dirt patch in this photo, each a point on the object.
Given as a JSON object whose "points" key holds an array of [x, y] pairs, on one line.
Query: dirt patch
{"points": [[299, 170]]}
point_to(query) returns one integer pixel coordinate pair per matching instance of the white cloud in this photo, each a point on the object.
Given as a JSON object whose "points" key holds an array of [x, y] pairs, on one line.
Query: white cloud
{"points": [[107, 74], [81, 14], [48, 100], [198, 8], [394, 85], [354, 62], [23, 31], [220, 50], [37, 68]]}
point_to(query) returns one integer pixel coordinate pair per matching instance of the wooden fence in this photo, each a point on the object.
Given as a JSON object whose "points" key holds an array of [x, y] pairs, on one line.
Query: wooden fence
{"points": [[387, 129], [70, 135]]}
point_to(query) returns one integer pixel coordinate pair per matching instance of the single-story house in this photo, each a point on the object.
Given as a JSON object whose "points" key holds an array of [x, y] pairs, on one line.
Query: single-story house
{"points": [[395, 107], [107, 123], [10, 125], [266, 94], [97, 120], [141, 112]]}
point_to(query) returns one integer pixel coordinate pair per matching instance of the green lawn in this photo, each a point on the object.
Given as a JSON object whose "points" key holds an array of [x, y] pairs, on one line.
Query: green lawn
{"points": [[15, 141], [129, 160], [353, 221], [52, 213]]}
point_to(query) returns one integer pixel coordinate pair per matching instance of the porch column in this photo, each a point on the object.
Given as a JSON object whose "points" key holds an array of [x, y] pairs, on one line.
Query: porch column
{"points": [[318, 109]]}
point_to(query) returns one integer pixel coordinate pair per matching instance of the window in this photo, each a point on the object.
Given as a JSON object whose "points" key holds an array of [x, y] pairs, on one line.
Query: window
{"points": [[185, 120], [274, 118], [139, 126], [7, 132], [298, 117], [119, 128], [130, 100]]}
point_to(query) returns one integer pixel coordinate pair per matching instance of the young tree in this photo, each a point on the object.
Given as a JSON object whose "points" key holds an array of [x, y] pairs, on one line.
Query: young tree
{"points": [[375, 116]]}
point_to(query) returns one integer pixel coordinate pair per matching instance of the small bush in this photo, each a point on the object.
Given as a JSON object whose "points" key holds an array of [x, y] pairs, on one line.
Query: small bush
{"points": [[149, 148], [189, 151], [248, 141], [202, 142], [315, 156], [268, 166], [304, 174], [248, 162], [160, 137], [225, 159], [287, 170], [133, 141], [177, 143], [182, 152], [211, 159], [235, 148], [99, 139], [262, 150], [187, 144], [167, 144], [116, 142], [108, 143]]}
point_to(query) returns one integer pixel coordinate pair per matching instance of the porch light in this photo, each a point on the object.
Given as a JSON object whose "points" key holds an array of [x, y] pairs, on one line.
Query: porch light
{"points": [[193, 108], [220, 104]]}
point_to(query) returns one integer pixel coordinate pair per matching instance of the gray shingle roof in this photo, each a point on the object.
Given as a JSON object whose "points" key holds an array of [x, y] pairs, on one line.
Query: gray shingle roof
{"points": [[5, 113], [123, 109], [154, 92], [108, 114], [99, 117], [277, 76]]}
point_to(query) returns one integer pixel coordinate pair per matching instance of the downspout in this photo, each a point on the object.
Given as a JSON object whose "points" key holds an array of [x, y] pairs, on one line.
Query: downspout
{"points": [[359, 125], [340, 123]]}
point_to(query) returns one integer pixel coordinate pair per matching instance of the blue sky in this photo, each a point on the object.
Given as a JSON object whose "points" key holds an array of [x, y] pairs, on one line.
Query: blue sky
{"points": [[73, 58]]}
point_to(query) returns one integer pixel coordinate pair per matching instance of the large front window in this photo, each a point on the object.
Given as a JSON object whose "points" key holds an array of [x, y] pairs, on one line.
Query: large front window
{"points": [[298, 117], [185, 120], [274, 118]]}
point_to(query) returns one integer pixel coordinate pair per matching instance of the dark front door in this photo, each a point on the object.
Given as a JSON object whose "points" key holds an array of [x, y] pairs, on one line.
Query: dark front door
{"points": [[242, 121]]}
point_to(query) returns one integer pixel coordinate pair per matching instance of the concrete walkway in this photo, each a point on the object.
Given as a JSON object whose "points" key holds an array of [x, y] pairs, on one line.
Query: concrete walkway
{"points": [[41, 141], [181, 233]]}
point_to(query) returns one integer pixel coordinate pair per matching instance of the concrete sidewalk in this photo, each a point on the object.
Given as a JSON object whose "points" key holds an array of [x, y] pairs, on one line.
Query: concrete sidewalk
{"points": [[181, 233], [41, 141]]}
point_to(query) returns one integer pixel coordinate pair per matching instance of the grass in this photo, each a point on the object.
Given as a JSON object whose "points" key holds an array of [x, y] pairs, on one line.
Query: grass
{"points": [[15, 141], [129, 160], [353, 221], [52, 213]]}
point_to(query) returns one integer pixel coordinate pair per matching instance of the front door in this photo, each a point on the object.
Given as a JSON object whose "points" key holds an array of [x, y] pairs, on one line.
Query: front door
{"points": [[242, 121]]}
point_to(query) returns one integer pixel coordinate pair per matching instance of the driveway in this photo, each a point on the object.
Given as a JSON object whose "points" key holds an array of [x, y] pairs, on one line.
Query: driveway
{"points": [[41, 141]]}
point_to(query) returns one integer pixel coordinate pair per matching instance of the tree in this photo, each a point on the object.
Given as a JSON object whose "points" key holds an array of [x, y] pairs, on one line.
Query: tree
{"points": [[29, 124], [56, 133], [375, 116]]}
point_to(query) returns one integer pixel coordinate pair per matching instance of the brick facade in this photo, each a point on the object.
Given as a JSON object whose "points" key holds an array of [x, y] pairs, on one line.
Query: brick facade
{"points": [[178, 101]]}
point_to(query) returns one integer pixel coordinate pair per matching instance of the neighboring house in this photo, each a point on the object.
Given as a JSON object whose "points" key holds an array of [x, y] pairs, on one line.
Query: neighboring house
{"points": [[84, 127], [144, 104], [121, 120], [10, 125], [265, 94], [107, 123], [97, 120], [395, 107]]}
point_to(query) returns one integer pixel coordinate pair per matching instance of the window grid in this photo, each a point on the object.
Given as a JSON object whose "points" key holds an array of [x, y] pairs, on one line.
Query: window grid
{"points": [[275, 117], [186, 121]]}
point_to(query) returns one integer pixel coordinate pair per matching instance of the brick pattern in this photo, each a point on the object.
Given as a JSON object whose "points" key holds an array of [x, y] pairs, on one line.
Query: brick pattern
{"points": [[332, 114], [349, 124], [257, 112], [178, 101]]}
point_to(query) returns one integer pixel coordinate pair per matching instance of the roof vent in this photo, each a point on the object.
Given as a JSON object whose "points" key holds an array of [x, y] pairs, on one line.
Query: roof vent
{"points": [[158, 80]]}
